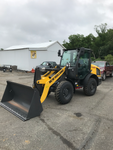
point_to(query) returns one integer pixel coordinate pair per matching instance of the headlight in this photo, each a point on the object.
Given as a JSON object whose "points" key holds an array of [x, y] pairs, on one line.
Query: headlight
{"points": [[68, 64], [42, 69], [101, 69], [98, 71]]}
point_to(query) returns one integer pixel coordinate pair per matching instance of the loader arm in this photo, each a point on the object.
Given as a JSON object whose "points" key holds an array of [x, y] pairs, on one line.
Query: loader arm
{"points": [[47, 82], [49, 72]]}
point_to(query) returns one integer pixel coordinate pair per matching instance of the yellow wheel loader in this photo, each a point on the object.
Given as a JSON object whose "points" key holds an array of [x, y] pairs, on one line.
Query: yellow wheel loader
{"points": [[75, 71]]}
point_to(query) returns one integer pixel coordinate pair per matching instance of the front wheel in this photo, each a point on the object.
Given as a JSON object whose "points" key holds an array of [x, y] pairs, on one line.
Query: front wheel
{"points": [[91, 87], [104, 76], [64, 92], [4, 70]]}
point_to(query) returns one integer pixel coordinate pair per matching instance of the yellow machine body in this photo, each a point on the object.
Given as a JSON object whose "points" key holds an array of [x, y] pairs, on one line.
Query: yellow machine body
{"points": [[47, 82], [94, 70]]}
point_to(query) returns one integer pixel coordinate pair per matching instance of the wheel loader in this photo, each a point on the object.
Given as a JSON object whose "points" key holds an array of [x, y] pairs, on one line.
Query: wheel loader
{"points": [[75, 71]]}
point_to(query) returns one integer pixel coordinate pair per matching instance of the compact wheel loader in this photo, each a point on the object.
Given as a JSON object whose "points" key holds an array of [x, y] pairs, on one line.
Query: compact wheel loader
{"points": [[75, 71]]}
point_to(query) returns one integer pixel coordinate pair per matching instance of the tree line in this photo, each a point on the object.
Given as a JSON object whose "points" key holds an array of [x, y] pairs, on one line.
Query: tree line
{"points": [[101, 45]]}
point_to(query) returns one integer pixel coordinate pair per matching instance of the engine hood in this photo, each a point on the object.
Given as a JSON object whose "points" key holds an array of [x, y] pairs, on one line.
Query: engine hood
{"points": [[102, 68]]}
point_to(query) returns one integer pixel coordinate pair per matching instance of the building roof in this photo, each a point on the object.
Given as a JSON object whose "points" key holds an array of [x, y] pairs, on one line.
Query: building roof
{"points": [[38, 46]]}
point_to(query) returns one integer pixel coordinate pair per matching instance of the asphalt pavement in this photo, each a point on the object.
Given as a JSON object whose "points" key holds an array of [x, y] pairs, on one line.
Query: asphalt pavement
{"points": [[86, 123]]}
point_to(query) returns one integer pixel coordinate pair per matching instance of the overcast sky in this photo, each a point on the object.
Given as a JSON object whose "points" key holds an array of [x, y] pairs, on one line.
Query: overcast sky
{"points": [[37, 21]]}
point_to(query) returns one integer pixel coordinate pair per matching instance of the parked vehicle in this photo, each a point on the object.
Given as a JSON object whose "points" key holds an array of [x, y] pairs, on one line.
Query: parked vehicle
{"points": [[46, 65], [7, 67], [105, 68]]}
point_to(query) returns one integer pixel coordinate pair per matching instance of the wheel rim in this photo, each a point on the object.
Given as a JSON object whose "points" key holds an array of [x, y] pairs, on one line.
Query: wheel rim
{"points": [[66, 93], [104, 76], [112, 74], [92, 87]]}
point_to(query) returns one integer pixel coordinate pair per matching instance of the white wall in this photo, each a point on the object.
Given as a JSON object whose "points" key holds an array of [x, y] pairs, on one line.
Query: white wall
{"points": [[15, 57], [41, 56], [50, 55], [23, 60], [53, 52]]}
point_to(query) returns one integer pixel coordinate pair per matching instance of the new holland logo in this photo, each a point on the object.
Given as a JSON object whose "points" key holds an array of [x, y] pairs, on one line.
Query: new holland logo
{"points": [[55, 76]]}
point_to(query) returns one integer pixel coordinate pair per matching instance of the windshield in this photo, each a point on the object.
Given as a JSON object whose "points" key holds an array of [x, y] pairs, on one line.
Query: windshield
{"points": [[69, 57], [44, 63], [99, 64]]}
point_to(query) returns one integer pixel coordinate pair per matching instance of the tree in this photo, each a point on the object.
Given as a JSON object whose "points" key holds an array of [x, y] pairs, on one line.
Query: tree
{"points": [[101, 45], [75, 41], [109, 42], [109, 58], [100, 40], [101, 29]]}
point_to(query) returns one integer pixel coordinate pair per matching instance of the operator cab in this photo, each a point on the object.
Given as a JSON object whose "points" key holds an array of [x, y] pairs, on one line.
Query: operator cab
{"points": [[78, 62]]}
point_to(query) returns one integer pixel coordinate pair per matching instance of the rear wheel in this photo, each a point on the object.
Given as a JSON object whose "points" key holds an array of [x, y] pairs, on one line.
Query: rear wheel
{"points": [[91, 87], [64, 92], [111, 75]]}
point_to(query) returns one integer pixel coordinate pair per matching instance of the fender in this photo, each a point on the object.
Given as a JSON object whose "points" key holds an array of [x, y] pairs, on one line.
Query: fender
{"points": [[88, 77]]}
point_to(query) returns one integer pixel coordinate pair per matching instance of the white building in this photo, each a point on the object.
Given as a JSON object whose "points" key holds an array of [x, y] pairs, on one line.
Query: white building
{"points": [[26, 57]]}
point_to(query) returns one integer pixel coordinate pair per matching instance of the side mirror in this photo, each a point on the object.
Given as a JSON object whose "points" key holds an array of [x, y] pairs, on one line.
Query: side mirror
{"points": [[59, 53]]}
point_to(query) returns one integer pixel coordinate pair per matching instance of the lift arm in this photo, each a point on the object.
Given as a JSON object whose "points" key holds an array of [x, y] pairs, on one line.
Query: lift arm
{"points": [[47, 82]]}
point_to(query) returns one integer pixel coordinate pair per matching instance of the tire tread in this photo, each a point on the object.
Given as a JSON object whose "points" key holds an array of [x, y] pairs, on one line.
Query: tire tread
{"points": [[57, 92], [86, 88]]}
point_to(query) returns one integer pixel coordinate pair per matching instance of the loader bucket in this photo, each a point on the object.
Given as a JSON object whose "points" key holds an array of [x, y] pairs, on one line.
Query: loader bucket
{"points": [[22, 101]]}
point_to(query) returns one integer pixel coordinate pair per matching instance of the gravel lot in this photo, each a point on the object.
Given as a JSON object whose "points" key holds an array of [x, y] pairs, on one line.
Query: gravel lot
{"points": [[86, 123]]}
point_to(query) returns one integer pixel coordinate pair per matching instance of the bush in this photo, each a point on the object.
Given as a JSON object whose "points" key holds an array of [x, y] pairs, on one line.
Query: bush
{"points": [[109, 58], [92, 58], [98, 59]]}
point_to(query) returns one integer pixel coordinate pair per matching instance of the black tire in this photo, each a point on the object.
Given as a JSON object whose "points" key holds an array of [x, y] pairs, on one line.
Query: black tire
{"points": [[64, 92], [10, 69], [91, 87], [111, 75], [104, 76], [4, 70]]}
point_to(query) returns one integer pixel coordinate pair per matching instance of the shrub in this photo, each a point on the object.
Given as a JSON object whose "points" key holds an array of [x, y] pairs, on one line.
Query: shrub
{"points": [[109, 58]]}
